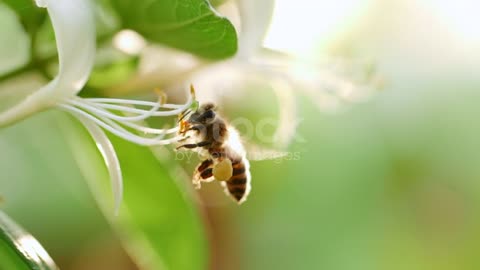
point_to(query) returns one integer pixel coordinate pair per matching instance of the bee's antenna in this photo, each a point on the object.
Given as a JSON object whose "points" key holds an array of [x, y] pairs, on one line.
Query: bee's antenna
{"points": [[183, 115]]}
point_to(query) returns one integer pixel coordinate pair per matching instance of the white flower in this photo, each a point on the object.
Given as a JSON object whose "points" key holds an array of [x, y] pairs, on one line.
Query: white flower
{"points": [[255, 19], [328, 84], [74, 28]]}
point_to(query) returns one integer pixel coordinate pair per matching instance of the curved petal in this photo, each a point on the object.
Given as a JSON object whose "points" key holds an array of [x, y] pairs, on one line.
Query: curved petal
{"points": [[255, 18], [109, 156], [74, 28]]}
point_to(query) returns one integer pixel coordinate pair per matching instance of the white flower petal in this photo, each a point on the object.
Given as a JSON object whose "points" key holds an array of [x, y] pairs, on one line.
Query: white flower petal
{"points": [[110, 157], [255, 18], [74, 28]]}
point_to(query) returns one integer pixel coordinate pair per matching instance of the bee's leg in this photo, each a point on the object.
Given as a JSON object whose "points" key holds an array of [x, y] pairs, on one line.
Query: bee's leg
{"points": [[195, 145], [184, 139], [207, 173], [204, 165], [198, 128], [203, 172]]}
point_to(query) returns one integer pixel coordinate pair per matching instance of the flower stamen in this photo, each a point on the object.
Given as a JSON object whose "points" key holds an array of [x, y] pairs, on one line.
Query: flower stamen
{"points": [[111, 117]]}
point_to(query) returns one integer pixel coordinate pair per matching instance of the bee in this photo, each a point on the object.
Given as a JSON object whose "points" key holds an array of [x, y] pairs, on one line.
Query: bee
{"points": [[224, 157]]}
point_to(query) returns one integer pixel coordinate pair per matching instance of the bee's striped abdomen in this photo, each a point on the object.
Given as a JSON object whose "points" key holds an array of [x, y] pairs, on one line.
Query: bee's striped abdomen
{"points": [[238, 184]]}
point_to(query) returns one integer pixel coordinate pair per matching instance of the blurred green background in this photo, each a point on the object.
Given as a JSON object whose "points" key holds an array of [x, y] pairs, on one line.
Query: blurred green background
{"points": [[389, 183]]}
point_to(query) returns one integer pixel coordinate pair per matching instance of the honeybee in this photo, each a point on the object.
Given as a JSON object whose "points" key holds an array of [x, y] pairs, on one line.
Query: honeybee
{"points": [[225, 160]]}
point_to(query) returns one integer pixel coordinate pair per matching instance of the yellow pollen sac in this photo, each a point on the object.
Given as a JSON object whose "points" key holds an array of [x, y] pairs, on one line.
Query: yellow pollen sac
{"points": [[223, 170]]}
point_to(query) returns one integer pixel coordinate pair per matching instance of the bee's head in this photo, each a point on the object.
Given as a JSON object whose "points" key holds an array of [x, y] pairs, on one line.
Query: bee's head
{"points": [[205, 114]]}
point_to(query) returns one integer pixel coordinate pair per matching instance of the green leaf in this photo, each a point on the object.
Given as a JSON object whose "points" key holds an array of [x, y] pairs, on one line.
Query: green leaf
{"points": [[29, 14], [115, 72], [19, 250], [159, 224], [190, 25]]}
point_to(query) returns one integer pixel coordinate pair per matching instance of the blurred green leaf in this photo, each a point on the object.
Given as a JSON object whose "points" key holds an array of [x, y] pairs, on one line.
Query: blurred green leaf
{"points": [[190, 25], [29, 14], [35, 159], [14, 42], [113, 73], [19, 250], [159, 224]]}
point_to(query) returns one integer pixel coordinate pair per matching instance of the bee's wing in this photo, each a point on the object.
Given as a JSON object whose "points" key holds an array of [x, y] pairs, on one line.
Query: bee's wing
{"points": [[250, 150], [257, 152]]}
